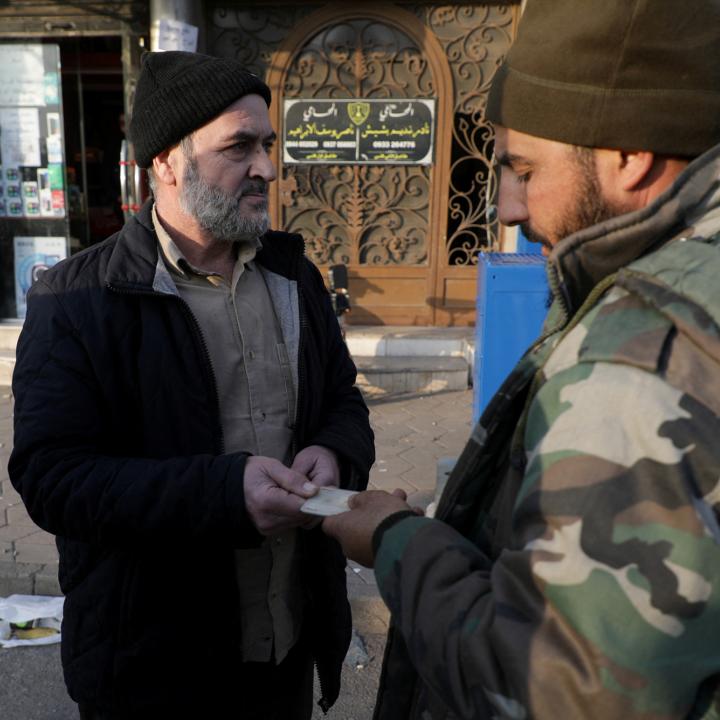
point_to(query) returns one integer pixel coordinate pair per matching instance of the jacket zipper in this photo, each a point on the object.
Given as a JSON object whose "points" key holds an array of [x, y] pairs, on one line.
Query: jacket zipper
{"points": [[557, 289], [302, 370], [218, 439], [590, 301]]}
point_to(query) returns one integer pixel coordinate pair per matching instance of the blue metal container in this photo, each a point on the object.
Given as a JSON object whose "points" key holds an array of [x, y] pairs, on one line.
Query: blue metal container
{"points": [[511, 307]]}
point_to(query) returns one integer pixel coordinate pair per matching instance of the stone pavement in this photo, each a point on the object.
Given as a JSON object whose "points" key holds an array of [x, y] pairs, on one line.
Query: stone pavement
{"points": [[412, 432], [28, 558]]}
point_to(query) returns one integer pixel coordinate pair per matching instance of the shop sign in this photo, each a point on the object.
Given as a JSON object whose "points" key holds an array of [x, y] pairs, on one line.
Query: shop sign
{"points": [[393, 131]]}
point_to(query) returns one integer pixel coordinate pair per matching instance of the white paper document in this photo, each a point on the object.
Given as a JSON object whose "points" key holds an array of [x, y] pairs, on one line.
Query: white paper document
{"points": [[20, 136], [328, 501], [177, 35], [22, 75]]}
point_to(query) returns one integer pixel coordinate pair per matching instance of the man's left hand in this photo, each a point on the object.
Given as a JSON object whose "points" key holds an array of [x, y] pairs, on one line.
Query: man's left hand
{"points": [[319, 464], [354, 529]]}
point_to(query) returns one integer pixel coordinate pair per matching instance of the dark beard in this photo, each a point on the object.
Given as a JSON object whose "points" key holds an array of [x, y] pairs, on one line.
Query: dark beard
{"points": [[218, 212], [592, 207]]}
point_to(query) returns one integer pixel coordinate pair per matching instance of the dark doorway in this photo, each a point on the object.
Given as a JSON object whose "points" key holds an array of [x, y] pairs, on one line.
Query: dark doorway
{"points": [[92, 87]]}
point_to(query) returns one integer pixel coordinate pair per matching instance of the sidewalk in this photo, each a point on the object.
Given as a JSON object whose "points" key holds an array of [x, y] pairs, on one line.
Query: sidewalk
{"points": [[411, 433]]}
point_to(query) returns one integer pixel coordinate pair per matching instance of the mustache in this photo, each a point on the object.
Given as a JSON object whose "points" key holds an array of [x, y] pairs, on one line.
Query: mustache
{"points": [[254, 187]]}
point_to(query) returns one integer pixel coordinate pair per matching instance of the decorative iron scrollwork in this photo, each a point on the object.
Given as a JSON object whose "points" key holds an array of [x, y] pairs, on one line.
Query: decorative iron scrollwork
{"points": [[475, 38], [365, 215], [252, 34]]}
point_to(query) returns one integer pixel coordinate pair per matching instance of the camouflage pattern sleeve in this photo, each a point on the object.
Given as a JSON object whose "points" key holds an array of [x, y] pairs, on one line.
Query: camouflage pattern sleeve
{"points": [[606, 603]]}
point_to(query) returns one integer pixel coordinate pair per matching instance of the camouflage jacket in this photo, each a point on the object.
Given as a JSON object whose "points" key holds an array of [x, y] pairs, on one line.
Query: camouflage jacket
{"points": [[573, 570]]}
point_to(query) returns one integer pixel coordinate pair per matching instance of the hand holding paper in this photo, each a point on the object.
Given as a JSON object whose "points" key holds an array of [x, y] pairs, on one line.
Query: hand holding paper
{"points": [[274, 495], [328, 501], [354, 529]]}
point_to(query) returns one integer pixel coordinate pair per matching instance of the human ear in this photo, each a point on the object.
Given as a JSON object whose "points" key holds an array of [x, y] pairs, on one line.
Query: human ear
{"points": [[634, 168], [164, 167], [636, 178]]}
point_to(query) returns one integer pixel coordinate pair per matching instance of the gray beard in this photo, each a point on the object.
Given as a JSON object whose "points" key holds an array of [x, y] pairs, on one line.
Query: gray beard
{"points": [[218, 212]]}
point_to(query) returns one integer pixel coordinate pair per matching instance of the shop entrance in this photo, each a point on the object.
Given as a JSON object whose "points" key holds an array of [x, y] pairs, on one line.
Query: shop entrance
{"points": [[92, 90], [382, 220]]}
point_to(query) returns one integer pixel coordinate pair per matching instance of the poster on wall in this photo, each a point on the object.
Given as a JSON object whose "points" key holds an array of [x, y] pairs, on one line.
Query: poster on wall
{"points": [[22, 75], [33, 256], [32, 173]]}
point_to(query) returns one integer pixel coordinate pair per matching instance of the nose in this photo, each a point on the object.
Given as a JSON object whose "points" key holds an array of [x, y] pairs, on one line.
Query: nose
{"points": [[512, 200], [262, 166]]}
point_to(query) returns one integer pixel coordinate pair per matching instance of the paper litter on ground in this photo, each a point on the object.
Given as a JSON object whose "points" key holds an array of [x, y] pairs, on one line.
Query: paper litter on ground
{"points": [[38, 615]]}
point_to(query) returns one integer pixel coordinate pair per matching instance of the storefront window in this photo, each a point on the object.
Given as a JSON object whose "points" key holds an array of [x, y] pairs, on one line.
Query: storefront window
{"points": [[61, 128]]}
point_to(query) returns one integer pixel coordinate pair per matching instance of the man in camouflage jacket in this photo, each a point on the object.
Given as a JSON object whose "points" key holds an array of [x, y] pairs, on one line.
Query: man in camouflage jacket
{"points": [[573, 568]]}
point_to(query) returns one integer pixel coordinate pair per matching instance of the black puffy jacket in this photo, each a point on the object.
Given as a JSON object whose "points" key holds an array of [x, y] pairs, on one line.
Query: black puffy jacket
{"points": [[118, 451]]}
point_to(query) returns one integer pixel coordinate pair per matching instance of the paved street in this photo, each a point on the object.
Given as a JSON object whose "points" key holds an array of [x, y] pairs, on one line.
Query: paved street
{"points": [[412, 433]]}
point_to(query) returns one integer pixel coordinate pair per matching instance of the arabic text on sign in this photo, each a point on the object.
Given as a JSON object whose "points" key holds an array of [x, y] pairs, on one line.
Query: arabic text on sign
{"points": [[313, 129], [409, 130]]}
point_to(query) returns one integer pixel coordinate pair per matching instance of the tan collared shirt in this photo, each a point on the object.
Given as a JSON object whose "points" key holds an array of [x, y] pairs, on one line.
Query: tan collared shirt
{"points": [[257, 408]]}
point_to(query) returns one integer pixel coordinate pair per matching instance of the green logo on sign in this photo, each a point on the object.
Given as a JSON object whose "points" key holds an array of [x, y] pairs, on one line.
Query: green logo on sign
{"points": [[358, 112]]}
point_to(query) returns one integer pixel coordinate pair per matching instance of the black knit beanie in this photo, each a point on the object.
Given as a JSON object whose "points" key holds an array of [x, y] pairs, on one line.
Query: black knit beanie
{"points": [[178, 92], [628, 74]]}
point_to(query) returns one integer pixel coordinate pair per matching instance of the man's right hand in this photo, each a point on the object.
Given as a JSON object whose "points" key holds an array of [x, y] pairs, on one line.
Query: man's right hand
{"points": [[274, 494]]}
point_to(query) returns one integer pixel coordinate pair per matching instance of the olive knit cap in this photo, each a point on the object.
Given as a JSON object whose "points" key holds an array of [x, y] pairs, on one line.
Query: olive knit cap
{"points": [[178, 92], [627, 74]]}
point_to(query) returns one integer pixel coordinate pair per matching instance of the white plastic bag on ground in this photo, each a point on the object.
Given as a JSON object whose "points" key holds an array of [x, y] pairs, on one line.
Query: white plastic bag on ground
{"points": [[30, 620]]}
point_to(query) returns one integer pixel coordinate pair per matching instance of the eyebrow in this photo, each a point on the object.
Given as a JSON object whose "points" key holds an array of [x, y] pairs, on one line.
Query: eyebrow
{"points": [[506, 159], [250, 136]]}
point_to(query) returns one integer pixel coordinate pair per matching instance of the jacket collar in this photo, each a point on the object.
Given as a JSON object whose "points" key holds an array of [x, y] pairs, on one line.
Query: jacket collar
{"points": [[580, 261], [134, 263], [135, 255], [281, 253]]}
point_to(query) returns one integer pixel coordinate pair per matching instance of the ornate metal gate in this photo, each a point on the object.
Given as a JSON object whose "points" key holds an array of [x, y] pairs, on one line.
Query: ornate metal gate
{"points": [[409, 233]]}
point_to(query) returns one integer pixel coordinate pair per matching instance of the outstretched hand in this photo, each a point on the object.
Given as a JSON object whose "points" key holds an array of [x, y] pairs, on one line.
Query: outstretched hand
{"points": [[354, 529], [274, 494]]}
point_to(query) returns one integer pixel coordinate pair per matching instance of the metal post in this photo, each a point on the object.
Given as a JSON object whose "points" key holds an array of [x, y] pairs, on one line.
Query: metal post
{"points": [[83, 158]]}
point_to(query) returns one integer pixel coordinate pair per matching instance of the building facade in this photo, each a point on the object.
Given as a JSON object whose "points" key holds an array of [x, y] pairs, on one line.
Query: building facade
{"points": [[384, 160]]}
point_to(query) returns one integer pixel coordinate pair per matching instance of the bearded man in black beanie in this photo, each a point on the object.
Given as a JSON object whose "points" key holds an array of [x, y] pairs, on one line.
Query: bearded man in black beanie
{"points": [[573, 567], [180, 390]]}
